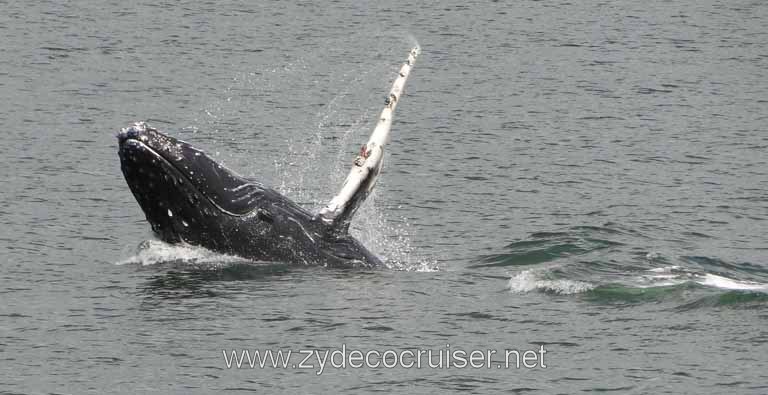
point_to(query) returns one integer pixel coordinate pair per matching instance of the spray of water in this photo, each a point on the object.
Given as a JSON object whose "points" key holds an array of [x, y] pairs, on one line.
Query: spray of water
{"points": [[388, 238]]}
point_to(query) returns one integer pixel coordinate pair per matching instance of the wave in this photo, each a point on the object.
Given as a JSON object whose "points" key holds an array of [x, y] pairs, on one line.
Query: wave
{"points": [[735, 299], [719, 266], [544, 247], [530, 280], [671, 284], [673, 275], [617, 265], [713, 280], [627, 294]]}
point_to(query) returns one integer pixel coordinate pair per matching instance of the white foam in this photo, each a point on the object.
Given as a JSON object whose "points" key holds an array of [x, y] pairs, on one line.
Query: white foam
{"points": [[653, 255], [662, 277], [527, 281], [665, 269], [713, 280], [658, 281], [152, 252], [675, 275]]}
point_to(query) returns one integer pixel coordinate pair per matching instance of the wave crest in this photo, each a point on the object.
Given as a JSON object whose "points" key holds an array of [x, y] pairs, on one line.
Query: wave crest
{"points": [[530, 280]]}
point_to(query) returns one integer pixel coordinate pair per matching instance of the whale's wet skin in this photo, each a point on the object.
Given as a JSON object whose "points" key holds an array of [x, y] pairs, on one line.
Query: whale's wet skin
{"points": [[189, 197]]}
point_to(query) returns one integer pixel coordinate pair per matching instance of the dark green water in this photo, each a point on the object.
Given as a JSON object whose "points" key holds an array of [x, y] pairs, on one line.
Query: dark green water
{"points": [[588, 177]]}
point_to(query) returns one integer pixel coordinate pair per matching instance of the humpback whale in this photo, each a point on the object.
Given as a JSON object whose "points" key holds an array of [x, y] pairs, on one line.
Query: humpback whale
{"points": [[188, 197]]}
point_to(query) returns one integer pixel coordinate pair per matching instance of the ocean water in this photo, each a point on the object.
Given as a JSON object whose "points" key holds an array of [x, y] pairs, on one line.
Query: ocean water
{"points": [[586, 177]]}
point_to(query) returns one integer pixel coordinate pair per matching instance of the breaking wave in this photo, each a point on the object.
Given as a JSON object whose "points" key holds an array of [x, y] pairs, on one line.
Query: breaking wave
{"points": [[675, 275], [530, 280]]}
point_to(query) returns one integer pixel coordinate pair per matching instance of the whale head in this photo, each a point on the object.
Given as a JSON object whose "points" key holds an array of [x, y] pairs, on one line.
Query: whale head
{"points": [[188, 197], [184, 194]]}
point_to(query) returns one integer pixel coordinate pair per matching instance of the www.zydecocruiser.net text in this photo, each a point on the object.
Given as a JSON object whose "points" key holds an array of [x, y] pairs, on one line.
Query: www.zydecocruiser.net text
{"points": [[343, 358]]}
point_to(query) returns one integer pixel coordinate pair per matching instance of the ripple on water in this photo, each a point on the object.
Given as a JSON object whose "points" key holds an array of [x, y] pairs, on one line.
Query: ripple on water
{"points": [[542, 247]]}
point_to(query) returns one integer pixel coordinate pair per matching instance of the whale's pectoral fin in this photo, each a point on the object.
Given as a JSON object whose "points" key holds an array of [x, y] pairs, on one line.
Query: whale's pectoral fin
{"points": [[367, 165]]}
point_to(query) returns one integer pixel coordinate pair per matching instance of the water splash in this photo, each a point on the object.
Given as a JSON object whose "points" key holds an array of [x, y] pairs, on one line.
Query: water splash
{"points": [[387, 238], [413, 41], [535, 280], [154, 252], [301, 174]]}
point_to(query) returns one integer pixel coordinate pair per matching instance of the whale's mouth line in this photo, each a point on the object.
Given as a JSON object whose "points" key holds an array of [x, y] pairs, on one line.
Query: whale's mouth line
{"points": [[180, 173]]}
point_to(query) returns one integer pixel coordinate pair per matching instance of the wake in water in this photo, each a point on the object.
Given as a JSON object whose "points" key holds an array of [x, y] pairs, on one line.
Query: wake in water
{"points": [[675, 275], [539, 280], [605, 264]]}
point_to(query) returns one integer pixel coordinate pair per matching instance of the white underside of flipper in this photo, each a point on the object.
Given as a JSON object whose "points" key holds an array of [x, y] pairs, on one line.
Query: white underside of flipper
{"points": [[367, 165]]}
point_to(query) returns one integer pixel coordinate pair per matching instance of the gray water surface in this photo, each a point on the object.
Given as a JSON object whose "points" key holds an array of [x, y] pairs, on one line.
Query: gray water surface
{"points": [[586, 176]]}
